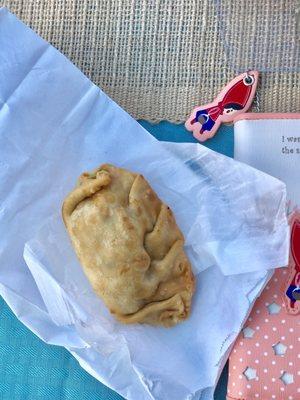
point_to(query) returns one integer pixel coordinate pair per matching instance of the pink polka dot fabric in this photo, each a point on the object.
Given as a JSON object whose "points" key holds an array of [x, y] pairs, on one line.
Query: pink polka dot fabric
{"points": [[265, 361]]}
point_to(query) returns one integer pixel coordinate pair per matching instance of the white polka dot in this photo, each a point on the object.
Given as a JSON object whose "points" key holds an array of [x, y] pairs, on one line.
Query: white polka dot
{"points": [[274, 329], [267, 304], [273, 379], [240, 393], [298, 373], [290, 397], [283, 321], [298, 339], [265, 353], [249, 352], [266, 337], [298, 356], [298, 390], [256, 395], [241, 360], [241, 343], [257, 328], [257, 344], [233, 383], [273, 396], [265, 387], [275, 280], [267, 287], [291, 330], [266, 320], [240, 377], [229, 374], [257, 362], [282, 337], [257, 311], [273, 362], [265, 370], [234, 367], [234, 350], [284, 272], [282, 389], [291, 346], [248, 386]]}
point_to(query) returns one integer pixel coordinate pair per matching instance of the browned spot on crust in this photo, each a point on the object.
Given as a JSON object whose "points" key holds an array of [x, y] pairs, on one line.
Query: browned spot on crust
{"points": [[124, 270]]}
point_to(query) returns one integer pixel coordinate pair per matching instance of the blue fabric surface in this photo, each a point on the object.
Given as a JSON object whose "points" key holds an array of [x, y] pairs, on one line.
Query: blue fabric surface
{"points": [[222, 142], [32, 370]]}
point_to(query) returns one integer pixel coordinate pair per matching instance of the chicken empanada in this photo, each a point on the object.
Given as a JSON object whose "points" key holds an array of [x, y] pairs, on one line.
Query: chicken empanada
{"points": [[130, 247]]}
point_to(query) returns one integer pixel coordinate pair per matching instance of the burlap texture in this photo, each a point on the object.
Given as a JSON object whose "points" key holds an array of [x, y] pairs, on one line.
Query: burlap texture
{"points": [[160, 58]]}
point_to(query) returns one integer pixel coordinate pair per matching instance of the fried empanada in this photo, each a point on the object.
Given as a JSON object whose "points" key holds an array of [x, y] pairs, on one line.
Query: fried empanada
{"points": [[130, 247]]}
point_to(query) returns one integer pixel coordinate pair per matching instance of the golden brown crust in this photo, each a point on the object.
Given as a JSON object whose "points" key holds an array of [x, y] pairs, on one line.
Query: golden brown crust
{"points": [[130, 247]]}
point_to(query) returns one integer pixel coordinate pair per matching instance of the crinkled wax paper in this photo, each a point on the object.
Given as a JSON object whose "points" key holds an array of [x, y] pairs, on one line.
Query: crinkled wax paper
{"points": [[55, 124]]}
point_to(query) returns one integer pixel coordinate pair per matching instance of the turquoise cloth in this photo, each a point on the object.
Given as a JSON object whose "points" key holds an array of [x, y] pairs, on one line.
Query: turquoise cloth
{"points": [[32, 370]]}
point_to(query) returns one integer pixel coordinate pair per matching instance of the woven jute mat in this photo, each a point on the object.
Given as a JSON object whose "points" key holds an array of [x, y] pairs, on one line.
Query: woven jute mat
{"points": [[160, 58]]}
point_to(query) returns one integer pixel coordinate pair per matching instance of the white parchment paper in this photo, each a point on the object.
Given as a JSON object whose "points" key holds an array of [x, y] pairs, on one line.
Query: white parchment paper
{"points": [[54, 124]]}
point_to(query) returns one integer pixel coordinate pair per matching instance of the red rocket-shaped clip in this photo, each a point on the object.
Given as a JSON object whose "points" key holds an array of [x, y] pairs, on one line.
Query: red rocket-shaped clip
{"points": [[293, 289], [234, 99]]}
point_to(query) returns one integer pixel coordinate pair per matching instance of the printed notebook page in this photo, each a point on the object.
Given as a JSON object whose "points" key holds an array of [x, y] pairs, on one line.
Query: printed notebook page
{"points": [[271, 143]]}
